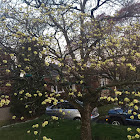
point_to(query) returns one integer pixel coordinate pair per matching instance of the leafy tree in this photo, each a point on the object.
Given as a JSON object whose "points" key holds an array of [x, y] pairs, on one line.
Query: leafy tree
{"points": [[28, 88], [86, 48]]}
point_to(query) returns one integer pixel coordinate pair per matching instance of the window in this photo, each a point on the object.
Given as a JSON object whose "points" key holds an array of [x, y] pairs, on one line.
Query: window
{"points": [[103, 81], [54, 89], [58, 106], [68, 106]]}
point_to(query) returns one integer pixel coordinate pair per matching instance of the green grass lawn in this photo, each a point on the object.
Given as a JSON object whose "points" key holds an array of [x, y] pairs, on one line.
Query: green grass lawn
{"points": [[4, 122], [62, 130]]}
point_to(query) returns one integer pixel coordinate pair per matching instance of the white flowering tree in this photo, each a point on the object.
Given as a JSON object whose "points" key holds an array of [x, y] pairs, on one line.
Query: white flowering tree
{"points": [[85, 44]]}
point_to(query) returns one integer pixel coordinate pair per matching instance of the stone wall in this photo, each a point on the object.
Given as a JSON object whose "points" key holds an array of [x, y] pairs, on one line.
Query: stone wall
{"points": [[5, 113]]}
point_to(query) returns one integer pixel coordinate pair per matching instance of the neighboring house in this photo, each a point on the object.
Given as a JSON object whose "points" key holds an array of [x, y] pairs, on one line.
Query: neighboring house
{"points": [[5, 74], [109, 91], [94, 82], [5, 89]]}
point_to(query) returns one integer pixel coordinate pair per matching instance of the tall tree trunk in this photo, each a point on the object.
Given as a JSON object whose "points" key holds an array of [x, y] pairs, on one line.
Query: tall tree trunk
{"points": [[86, 123]]}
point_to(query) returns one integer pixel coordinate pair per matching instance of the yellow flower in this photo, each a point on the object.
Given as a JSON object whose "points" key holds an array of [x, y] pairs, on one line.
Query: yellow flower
{"points": [[120, 102], [132, 117], [19, 66], [129, 137], [28, 131], [37, 125], [129, 129], [135, 101], [45, 123], [79, 94], [101, 98], [8, 84], [3, 101], [21, 92], [40, 94], [81, 82], [14, 117], [129, 111], [54, 103], [35, 95], [108, 98], [61, 100], [57, 95], [63, 113], [54, 118], [112, 99], [29, 48], [28, 95], [11, 54], [7, 102], [45, 85], [57, 78], [33, 39], [126, 100], [22, 118], [138, 130], [136, 107], [8, 71], [33, 126], [6, 96], [35, 52], [30, 112], [47, 64], [35, 132], [45, 138], [2, 96], [15, 94], [137, 136], [71, 93], [131, 104], [43, 103], [137, 54], [133, 68], [105, 97], [118, 92], [26, 106], [4, 61], [27, 68], [25, 59]]}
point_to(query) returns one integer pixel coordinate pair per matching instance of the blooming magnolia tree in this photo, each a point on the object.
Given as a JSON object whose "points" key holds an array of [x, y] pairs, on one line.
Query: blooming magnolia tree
{"points": [[81, 47]]}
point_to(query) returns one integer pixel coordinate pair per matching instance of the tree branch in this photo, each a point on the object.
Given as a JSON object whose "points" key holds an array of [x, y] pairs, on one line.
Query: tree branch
{"points": [[117, 84], [97, 6]]}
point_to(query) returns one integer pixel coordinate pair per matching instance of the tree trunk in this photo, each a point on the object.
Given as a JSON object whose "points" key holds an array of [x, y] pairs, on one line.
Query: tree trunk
{"points": [[86, 123]]}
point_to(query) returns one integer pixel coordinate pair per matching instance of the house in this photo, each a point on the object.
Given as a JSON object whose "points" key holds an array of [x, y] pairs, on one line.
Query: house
{"points": [[5, 81]]}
